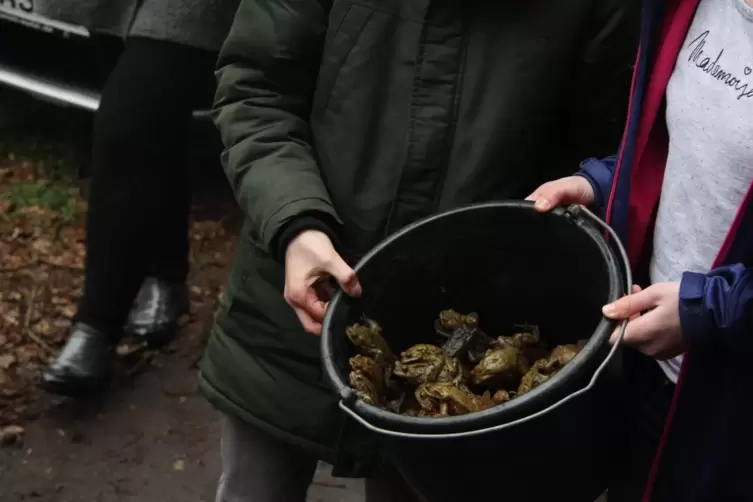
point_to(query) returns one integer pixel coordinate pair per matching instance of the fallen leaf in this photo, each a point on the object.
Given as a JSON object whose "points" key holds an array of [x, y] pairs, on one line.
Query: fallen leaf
{"points": [[62, 323], [44, 327], [179, 465], [42, 245], [11, 434], [6, 361], [68, 311]]}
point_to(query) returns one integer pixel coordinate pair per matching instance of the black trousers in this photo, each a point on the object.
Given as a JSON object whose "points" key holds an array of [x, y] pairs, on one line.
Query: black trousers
{"points": [[645, 396], [137, 224]]}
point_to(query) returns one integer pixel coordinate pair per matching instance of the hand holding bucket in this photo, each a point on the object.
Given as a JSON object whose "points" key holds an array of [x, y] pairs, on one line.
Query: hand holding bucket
{"points": [[310, 262]]}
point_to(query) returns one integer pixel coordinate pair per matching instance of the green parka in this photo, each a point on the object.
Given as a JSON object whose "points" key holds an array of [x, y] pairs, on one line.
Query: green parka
{"points": [[377, 113]]}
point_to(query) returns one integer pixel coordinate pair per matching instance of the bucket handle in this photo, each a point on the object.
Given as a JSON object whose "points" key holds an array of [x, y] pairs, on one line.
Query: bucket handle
{"points": [[574, 212]]}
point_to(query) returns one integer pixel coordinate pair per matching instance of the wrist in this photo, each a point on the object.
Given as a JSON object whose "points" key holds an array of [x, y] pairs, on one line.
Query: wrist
{"points": [[305, 222]]}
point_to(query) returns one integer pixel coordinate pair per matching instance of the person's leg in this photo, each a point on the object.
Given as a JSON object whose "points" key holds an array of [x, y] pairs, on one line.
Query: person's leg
{"points": [[138, 199], [163, 296], [140, 190], [257, 467], [647, 395], [192, 89]]}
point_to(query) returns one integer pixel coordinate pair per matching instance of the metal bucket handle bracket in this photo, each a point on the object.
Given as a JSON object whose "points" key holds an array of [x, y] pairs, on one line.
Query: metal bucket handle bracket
{"points": [[574, 212]]}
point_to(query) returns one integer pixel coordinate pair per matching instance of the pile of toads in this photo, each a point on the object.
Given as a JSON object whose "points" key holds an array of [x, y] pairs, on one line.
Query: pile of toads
{"points": [[470, 371]]}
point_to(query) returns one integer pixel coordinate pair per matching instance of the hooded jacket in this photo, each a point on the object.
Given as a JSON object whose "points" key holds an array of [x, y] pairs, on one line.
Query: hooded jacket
{"points": [[369, 115], [704, 453]]}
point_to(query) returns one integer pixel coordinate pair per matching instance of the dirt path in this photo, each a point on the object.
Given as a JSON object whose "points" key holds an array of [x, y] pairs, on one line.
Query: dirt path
{"points": [[151, 439]]}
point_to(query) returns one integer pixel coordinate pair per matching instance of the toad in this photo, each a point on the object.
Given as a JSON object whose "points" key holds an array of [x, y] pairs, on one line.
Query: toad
{"points": [[499, 368], [534, 377], [501, 396], [424, 363], [445, 399], [367, 379], [528, 342], [545, 368], [450, 320], [563, 354], [367, 337]]}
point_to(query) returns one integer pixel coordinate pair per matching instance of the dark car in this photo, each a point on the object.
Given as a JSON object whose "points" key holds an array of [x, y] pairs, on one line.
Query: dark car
{"points": [[52, 60]]}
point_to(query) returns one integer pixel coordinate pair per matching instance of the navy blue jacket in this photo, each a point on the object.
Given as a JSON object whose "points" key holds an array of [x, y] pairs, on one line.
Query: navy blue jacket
{"points": [[707, 449]]}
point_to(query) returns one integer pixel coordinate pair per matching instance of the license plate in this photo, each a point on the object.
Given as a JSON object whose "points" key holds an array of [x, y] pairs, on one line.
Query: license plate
{"points": [[22, 12], [17, 6]]}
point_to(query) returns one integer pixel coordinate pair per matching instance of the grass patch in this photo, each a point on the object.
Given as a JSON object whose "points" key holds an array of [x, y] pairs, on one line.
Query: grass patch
{"points": [[54, 195]]}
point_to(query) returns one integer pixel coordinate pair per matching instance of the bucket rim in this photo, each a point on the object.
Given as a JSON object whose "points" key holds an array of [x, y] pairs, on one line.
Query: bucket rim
{"points": [[513, 408]]}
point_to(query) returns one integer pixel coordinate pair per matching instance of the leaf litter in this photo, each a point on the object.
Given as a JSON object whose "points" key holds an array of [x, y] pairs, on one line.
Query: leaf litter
{"points": [[42, 257]]}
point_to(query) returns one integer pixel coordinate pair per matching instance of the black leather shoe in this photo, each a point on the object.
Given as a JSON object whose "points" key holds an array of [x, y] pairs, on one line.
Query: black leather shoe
{"points": [[159, 305], [83, 365]]}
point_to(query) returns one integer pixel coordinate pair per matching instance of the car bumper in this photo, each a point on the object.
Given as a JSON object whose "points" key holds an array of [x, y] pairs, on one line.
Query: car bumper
{"points": [[33, 76], [57, 92]]}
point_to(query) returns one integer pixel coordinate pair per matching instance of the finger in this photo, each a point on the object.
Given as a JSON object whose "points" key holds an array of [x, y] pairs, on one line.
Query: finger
{"points": [[543, 199], [315, 307], [616, 333], [640, 332], [535, 195], [630, 305], [552, 194], [306, 300], [652, 336], [344, 275], [310, 325]]}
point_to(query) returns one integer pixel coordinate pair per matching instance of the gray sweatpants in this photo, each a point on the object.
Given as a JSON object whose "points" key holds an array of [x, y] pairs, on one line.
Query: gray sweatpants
{"points": [[258, 468]]}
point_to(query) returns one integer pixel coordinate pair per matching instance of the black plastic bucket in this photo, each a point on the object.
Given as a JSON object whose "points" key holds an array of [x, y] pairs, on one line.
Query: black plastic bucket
{"points": [[511, 265]]}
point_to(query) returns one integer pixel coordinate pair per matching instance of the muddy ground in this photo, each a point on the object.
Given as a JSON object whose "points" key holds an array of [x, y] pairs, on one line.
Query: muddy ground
{"points": [[151, 438]]}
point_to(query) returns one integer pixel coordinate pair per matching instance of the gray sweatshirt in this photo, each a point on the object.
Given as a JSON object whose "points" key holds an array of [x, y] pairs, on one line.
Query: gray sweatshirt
{"points": [[710, 161], [198, 23]]}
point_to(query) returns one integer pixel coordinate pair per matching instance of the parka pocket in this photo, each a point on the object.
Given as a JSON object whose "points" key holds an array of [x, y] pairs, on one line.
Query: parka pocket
{"points": [[346, 25]]}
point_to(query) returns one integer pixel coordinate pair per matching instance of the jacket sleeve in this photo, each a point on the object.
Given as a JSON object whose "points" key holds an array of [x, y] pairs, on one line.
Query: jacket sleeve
{"points": [[266, 74], [599, 173], [717, 308]]}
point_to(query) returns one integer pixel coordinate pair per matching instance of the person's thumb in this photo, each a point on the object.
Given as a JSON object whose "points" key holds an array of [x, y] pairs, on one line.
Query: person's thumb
{"points": [[344, 275], [550, 195], [570, 190], [630, 305]]}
